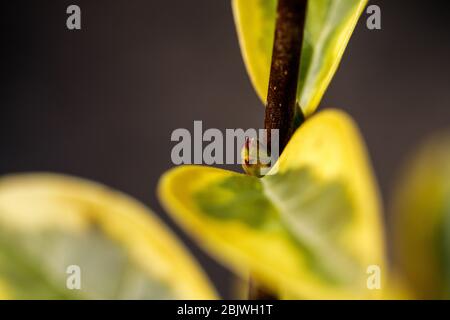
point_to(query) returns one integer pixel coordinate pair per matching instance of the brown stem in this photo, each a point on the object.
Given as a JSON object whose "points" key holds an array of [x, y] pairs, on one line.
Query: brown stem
{"points": [[287, 47], [255, 292], [281, 108]]}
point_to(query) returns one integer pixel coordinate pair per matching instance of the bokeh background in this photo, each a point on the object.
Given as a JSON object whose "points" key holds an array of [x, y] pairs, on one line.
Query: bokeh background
{"points": [[101, 103]]}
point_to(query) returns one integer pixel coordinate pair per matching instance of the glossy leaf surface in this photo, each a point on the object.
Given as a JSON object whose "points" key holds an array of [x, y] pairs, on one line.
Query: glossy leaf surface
{"points": [[310, 230], [329, 25]]}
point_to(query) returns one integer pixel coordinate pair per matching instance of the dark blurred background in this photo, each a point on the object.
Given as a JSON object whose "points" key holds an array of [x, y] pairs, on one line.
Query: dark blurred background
{"points": [[102, 102]]}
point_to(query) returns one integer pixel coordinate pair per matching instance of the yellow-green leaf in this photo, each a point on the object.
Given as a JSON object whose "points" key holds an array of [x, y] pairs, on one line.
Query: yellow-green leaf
{"points": [[329, 25], [421, 214], [51, 222], [308, 231]]}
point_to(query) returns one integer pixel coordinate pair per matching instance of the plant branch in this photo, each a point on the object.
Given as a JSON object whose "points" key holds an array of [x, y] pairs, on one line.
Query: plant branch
{"points": [[284, 72], [281, 109]]}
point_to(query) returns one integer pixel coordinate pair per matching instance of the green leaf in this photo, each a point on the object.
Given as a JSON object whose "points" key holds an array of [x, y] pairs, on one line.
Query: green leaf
{"points": [[309, 230], [329, 25], [51, 222], [421, 214]]}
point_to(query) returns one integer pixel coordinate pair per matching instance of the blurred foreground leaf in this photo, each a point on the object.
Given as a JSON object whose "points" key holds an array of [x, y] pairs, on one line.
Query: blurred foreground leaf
{"points": [[50, 222], [422, 220], [308, 231], [329, 25]]}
